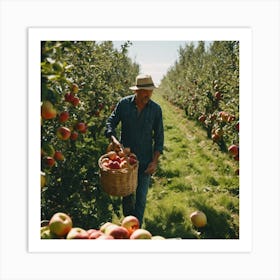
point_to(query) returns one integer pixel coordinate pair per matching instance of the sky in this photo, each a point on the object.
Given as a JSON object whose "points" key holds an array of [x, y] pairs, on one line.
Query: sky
{"points": [[154, 57]]}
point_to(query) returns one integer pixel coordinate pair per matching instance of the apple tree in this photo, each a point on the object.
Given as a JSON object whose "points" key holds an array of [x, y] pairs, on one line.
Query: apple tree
{"points": [[205, 83], [81, 81]]}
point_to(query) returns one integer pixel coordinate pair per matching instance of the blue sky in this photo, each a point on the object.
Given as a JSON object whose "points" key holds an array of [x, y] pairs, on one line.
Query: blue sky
{"points": [[154, 57]]}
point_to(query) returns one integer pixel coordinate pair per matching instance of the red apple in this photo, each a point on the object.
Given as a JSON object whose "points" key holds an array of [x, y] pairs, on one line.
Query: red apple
{"points": [[74, 135], [131, 223], [48, 111], [64, 116], [132, 160], [218, 95], [215, 137], [198, 219], [202, 118], [63, 133], [49, 161], [141, 234], [233, 150], [58, 155], [69, 97], [237, 126], [77, 233], [114, 165], [118, 159], [81, 126], [60, 224], [75, 101], [118, 232], [94, 233]]}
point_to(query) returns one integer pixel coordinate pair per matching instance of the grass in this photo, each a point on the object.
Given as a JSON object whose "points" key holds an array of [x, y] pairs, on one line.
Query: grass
{"points": [[193, 174]]}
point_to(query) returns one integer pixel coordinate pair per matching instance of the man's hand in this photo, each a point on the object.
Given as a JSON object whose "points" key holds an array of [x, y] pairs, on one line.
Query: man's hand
{"points": [[116, 144], [151, 169]]}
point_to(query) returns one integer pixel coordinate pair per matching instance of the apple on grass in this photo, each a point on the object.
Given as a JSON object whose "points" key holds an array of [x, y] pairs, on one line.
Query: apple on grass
{"points": [[233, 150], [105, 237], [141, 234], [60, 224], [198, 219], [46, 233], [157, 237], [77, 233], [94, 233], [131, 223], [104, 226], [118, 232]]}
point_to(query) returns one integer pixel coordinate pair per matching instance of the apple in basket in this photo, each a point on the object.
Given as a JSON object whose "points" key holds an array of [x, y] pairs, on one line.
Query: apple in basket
{"points": [[114, 165], [132, 160], [112, 155]]}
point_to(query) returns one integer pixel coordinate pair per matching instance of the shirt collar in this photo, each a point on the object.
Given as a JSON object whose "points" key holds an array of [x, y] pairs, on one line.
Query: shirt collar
{"points": [[132, 100]]}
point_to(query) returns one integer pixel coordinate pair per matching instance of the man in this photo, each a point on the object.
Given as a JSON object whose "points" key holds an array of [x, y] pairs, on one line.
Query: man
{"points": [[141, 131]]}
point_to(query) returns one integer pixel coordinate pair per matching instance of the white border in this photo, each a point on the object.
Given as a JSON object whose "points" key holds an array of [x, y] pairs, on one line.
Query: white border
{"points": [[244, 35]]}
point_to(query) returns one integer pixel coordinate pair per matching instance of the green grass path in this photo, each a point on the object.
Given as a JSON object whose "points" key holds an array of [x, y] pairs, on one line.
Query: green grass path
{"points": [[193, 174]]}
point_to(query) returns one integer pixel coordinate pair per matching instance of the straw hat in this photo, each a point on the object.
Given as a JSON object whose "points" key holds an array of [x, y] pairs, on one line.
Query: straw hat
{"points": [[143, 81]]}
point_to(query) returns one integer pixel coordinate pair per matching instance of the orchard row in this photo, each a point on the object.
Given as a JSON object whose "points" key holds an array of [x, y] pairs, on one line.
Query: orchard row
{"points": [[205, 83]]}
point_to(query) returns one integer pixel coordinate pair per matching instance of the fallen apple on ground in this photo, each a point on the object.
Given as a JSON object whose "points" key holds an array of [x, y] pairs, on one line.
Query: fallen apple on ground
{"points": [[141, 234], [60, 224], [131, 223], [198, 219], [118, 232], [77, 233]]}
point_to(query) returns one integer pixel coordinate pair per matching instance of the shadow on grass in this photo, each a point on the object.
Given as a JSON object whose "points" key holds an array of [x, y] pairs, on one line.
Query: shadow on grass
{"points": [[170, 224], [218, 224], [173, 223]]}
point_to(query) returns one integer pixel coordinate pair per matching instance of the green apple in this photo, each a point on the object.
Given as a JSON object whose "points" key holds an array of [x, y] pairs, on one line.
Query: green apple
{"points": [[141, 234], [46, 233], [77, 233], [157, 237], [60, 224]]}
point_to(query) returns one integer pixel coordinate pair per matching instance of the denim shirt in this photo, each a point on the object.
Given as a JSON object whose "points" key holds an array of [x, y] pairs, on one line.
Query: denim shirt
{"points": [[141, 132]]}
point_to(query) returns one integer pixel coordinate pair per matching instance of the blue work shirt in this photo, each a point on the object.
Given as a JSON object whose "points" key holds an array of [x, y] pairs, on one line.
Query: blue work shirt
{"points": [[141, 132]]}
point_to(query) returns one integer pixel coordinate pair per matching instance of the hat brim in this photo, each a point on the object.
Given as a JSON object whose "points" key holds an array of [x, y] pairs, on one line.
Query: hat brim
{"points": [[148, 88]]}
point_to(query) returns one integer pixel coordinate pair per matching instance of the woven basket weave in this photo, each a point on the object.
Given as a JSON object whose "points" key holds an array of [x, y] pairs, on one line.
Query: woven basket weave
{"points": [[118, 182]]}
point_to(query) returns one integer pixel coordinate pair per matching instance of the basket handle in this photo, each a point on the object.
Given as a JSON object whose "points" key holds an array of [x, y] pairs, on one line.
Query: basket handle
{"points": [[112, 147]]}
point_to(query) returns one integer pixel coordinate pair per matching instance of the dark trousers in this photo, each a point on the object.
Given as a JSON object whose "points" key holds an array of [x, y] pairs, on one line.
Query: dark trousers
{"points": [[135, 204]]}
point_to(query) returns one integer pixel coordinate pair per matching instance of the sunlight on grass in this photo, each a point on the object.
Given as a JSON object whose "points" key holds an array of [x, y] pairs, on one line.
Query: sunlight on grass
{"points": [[193, 174]]}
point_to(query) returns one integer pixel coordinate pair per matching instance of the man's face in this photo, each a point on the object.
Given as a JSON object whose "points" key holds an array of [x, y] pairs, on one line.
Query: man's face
{"points": [[143, 95]]}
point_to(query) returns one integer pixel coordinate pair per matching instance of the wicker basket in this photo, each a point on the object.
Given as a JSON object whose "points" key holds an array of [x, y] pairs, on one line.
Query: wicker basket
{"points": [[118, 182]]}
